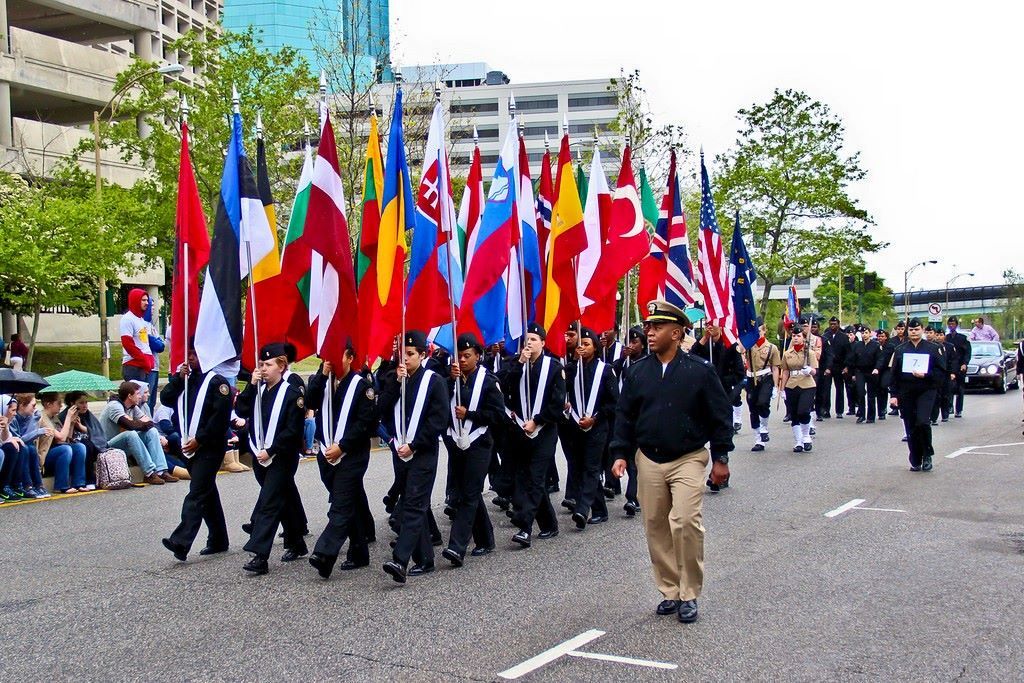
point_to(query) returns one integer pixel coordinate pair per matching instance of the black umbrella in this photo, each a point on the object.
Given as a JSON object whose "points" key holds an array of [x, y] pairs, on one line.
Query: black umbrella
{"points": [[19, 381]]}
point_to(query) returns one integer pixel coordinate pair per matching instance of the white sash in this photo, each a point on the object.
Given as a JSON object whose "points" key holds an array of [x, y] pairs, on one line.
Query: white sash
{"points": [[622, 374], [346, 410], [275, 417], [197, 409], [595, 388], [417, 408], [524, 397], [469, 435]]}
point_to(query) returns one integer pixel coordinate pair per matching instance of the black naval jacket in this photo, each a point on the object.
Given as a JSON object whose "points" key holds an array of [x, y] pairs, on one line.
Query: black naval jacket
{"points": [[835, 347], [962, 345], [903, 383], [604, 409], [434, 417], [211, 434], [547, 409], [490, 411], [362, 418], [672, 415], [727, 361], [864, 356], [289, 436]]}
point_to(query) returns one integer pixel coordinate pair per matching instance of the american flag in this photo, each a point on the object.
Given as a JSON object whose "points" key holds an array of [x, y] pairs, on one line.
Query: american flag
{"points": [[671, 230], [713, 278]]}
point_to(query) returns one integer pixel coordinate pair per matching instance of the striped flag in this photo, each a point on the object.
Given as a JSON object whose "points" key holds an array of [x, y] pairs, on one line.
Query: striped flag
{"points": [[597, 313], [471, 210], [366, 265], [713, 277], [667, 273], [545, 195], [294, 290]]}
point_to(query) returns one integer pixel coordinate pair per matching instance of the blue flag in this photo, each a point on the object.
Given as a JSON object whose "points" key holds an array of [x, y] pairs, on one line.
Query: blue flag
{"points": [[742, 274]]}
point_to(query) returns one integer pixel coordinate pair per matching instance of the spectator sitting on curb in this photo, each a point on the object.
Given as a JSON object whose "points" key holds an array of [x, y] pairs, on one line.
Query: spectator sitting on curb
{"points": [[138, 438], [26, 428], [61, 455]]}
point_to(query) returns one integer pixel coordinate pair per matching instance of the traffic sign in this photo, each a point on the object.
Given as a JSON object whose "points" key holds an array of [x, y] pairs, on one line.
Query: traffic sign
{"points": [[935, 313]]}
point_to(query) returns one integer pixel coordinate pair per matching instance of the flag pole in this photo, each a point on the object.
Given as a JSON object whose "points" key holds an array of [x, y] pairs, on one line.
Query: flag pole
{"points": [[329, 394], [401, 354], [625, 284], [442, 193], [512, 121], [185, 271]]}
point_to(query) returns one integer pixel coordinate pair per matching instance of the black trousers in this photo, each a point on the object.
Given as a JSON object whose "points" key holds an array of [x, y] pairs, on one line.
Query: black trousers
{"points": [[866, 401], [882, 392], [502, 473], [202, 503], [916, 409], [468, 469], [836, 381], [533, 459], [850, 383], [943, 399], [276, 505], [295, 502], [585, 452], [956, 394], [759, 399], [800, 403], [414, 534], [345, 517], [574, 467]]}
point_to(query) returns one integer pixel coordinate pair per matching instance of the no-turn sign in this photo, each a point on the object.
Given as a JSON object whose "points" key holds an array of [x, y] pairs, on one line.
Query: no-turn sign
{"points": [[935, 313]]}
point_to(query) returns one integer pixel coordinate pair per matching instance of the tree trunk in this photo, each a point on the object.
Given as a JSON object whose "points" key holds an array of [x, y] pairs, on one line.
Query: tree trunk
{"points": [[765, 295], [35, 331]]}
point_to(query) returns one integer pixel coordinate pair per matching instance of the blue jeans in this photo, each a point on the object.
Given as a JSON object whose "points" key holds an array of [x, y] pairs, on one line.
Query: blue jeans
{"points": [[144, 448], [33, 474], [309, 431], [11, 470], [67, 463]]}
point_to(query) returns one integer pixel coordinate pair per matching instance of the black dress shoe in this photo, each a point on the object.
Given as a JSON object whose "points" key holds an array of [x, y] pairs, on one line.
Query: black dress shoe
{"points": [[958, 415], [764, 437], [926, 464], [522, 538], [904, 439], [569, 504], [757, 447], [882, 416], [798, 448], [688, 611], [389, 506], [609, 493], [814, 432], [736, 426], [631, 508], [935, 423], [553, 488], [509, 514], [808, 446], [860, 420], [502, 502], [826, 415], [323, 564], [894, 412], [666, 607], [548, 534], [349, 565], [180, 554], [481, 550], [839, 416], [712, 487], [421, 569], [257, 565], [870, 421], [598, 519], [213, 550], [395, 570], [850, 412], [579, 520], [392, 544], [449, 511], [247, 528], [453, 557], [915, 468], [437, 542], [945, 419], [293, 554]]}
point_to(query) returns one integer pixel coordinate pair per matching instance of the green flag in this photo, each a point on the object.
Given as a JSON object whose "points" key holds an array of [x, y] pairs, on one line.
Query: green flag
{"points": [[648, 204]]}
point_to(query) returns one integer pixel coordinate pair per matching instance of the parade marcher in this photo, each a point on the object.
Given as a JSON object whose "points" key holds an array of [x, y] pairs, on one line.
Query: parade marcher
{"points": [[477, 408], [346, 420], [917, 367], [728, 364], [635, 350], [836, 346], [610, 349], [501, 471], [814, 343], [944, 390], [863, 366], [672, 404], [416, 421], [201, 414], [274, 434], [535, 397], [962, 345], [591, 394], [799, 366], [899, 337], [763, 364], [884, 375], [572, 339]]}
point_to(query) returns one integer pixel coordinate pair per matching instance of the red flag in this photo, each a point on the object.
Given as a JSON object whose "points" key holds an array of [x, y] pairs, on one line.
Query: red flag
{"points": [[326, 232], [191, 243], [545, 193]]}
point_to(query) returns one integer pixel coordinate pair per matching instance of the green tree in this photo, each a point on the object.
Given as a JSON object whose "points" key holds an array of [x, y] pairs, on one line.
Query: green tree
{"points": [[790, 176], [869, 301], [1010, 321]]}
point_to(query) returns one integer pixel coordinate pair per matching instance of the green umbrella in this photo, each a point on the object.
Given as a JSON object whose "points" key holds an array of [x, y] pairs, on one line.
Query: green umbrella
{"points": [[76, 380]]}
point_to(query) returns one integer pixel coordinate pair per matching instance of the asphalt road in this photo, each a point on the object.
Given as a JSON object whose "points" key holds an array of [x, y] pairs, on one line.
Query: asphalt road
{"points": [[934, 592]]}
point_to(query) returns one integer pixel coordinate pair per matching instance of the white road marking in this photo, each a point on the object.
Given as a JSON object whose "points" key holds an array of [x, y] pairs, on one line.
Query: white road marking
{"points": [[880, 509], [623, 660], [844, 507], [551, 655], [967, 449]]}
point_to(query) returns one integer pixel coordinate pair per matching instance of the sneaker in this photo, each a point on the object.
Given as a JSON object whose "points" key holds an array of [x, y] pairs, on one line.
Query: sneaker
{"points": [[814, 432], [42, 493], [89, 487], [7, 494], [764, 437], [20, 493]]}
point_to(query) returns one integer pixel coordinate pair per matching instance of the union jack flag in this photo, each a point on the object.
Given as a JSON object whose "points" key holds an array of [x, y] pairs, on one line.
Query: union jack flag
{"points": [[670, 236], [713, 278]]}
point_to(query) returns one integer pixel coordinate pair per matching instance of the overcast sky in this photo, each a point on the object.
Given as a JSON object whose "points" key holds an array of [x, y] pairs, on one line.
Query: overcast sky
{"points": [[930, 94]]}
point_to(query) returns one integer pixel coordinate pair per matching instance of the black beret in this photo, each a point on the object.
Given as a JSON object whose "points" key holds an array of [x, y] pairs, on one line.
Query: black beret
{"points": [[273, 350], [953, 319], [637, 332], [534, 328], [587, 333], [416, 338], [290, 352], [833, 319], [574, 326], [468, 340], [914, 322]]}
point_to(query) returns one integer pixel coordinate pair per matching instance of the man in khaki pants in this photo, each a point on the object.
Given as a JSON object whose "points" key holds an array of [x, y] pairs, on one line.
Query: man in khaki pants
{"points": [[672, 404]]}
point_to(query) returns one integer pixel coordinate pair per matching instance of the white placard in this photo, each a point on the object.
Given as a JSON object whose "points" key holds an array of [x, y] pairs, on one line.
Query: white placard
{"points": [[915, 362]]}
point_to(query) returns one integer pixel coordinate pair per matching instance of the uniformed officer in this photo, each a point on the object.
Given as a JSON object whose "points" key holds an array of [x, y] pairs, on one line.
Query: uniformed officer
{"points": [[346, 420], [202, 414], [799, 366], [882, 383], [275, 434], [672, 403], [591, 394], [947, 383], [864, 355], [835, 347], [917, 367], [763, 366], [477, 407], [635, 350], [416, 421], [962, 345], [535, 398], [611, 349], [728, 364]]}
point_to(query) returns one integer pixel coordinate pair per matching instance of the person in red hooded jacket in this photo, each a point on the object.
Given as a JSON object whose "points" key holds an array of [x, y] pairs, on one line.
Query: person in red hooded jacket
{"points": [[138, 358]]}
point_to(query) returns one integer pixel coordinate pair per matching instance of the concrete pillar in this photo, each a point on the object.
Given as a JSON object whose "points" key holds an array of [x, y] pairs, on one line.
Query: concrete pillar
{"points": [[5, 38], [6, 123], [143, 50]]}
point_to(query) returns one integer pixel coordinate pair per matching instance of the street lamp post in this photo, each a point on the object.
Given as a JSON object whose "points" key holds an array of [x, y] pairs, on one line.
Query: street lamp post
{"points": [[168, 70], [906, 283], [951, 281]]}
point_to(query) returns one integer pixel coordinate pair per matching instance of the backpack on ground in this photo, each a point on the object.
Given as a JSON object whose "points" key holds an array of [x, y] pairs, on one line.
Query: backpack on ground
{"points": [[112, 471]]}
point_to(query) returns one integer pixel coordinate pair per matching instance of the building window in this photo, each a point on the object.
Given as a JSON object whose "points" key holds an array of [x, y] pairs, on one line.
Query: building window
{"points": [[487, 133], [474, 107], [593, 101], [547, 104]]}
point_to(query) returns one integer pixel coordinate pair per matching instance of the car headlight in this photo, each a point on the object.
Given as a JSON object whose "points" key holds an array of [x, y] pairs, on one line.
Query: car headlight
{"points": [[992, 369]]}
